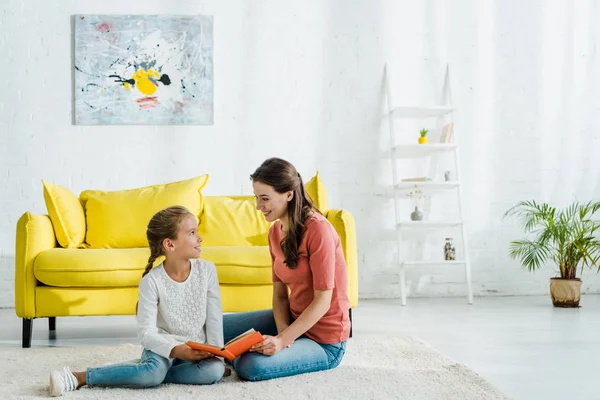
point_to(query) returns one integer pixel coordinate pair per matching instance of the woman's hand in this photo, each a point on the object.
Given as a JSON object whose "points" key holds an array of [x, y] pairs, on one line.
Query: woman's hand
{"points": [[186, 353], [270, 346]]}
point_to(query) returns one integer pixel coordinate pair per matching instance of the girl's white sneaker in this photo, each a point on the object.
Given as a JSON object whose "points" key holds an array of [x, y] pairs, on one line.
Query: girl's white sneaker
{"points": [[62, 382]]}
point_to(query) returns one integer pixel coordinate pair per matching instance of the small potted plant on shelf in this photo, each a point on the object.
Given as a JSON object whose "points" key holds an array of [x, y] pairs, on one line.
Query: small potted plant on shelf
{"points": [[423, 138], [569, 237]]}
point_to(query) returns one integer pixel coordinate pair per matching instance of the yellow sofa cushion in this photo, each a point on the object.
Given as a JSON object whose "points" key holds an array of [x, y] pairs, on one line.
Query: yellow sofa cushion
{"points": [[244, 298], [316, 190], [232, 221], [66, 214], [57, 302], [91, 267], [98, 268], [119, 219], [343, 222], [245, 265]]}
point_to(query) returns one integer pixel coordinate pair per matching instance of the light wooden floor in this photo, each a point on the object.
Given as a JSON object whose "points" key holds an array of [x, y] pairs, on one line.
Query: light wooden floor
{"points": [[523, 345]]}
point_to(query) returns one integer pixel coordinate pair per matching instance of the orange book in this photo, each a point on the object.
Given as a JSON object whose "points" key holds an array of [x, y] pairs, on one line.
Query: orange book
{"points": [[232, 349]]}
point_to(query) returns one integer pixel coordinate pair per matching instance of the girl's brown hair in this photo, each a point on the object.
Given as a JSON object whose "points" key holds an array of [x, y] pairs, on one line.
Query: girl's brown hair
{"points": [[164, 225], [283, 177]]}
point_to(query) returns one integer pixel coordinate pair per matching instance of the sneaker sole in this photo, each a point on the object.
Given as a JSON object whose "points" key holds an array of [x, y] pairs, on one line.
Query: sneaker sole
{"points": [[56, 385]]}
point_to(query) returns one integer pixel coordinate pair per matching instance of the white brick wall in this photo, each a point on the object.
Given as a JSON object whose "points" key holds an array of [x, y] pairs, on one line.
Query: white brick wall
{"points": [[303, 81]]}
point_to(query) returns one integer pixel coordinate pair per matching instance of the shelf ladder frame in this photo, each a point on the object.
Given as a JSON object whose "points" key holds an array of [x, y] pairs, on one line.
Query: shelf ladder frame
{"points": [[446, 103]]}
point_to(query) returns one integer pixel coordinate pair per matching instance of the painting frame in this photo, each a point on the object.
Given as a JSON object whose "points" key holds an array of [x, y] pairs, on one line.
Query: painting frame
{"points": [[122, 75]]}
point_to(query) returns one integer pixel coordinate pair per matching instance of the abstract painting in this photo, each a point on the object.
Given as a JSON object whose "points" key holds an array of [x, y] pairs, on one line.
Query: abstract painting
{"points": [[143, 69]]}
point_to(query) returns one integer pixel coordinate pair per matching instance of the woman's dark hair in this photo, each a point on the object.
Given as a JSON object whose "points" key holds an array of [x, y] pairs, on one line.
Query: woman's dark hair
{"points": [[283, 177]]}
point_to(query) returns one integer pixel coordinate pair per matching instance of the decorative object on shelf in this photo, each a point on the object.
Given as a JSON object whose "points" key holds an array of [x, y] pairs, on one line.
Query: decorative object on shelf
{"points": [[449, 250], [417, 194], [143, 69], [416, 215], [423, 139], [568, 236], [447, 135], [447, 176]]}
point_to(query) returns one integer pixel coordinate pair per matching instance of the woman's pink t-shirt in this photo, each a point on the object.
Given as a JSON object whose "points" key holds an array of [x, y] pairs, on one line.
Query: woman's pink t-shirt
{"points": [[321, 266]]}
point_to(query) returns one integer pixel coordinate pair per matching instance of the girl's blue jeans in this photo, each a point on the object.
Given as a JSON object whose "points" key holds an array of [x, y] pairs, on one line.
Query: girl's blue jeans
{"points": [[152, 370]]}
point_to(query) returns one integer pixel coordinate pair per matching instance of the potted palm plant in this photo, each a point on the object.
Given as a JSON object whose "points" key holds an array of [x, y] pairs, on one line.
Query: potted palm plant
{"points": [[568, 237]]}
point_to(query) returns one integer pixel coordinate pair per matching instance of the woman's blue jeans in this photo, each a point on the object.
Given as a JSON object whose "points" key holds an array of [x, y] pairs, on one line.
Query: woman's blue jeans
{"points": [[305, 355]]}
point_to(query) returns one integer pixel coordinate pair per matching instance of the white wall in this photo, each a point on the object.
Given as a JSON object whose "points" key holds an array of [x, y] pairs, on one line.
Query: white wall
{"points": [[303, 80]]}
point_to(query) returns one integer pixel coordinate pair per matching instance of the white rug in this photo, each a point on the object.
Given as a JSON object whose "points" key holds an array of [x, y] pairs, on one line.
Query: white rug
{"points": [[382, 368]]}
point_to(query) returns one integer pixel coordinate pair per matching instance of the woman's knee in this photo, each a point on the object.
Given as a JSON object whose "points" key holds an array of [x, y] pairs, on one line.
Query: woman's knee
{"points": [[249, 367]]}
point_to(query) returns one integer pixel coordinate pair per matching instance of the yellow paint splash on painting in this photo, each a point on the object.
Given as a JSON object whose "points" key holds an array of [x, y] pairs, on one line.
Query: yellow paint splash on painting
{"points": [[142, 81]]}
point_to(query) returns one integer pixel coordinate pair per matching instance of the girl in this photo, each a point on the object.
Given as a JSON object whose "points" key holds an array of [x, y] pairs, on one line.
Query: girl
{"points": [[179, 300], [307, 329]]}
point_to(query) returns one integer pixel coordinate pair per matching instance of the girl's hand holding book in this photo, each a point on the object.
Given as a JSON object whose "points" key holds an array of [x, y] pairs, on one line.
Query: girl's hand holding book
{"points": [[186, 353]]}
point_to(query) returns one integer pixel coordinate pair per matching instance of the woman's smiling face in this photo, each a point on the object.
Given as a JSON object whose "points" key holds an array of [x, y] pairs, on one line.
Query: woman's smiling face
{"points": [[272, 204]]}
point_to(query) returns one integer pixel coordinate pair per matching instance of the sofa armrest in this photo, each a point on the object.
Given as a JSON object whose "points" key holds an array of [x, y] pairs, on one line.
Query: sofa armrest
{"points": [[343, 222], [35, 234]]}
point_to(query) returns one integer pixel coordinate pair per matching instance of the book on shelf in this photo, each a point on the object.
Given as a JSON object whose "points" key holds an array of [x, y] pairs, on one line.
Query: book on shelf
{"points": [[447, 135], [232, 349], [419, 179]]}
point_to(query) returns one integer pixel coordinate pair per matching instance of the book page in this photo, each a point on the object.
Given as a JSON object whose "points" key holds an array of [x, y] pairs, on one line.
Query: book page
{"points": [[243, 335], [204, 347]]}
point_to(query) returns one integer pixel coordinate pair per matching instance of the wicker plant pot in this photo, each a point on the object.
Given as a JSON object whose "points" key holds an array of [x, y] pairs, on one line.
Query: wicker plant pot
{"points": [[565, 292]]}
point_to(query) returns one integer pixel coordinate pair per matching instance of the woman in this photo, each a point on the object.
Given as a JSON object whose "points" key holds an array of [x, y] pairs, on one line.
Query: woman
{"points": [[309, 324]]}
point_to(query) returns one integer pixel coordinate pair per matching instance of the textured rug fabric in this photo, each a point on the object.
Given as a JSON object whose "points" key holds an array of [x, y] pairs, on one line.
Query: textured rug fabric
{"points": [[396, 367]]}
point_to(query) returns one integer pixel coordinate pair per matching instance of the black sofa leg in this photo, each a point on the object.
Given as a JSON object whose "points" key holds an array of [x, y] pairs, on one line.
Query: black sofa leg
{"points": [[350, 312], [27, 330], [52, 323]]}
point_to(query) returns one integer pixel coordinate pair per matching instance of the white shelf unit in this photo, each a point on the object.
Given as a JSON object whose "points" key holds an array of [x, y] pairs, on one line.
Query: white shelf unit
{"points": [[420, 150], [421, 112], [426, 225], [429, 262], [428, 188]]}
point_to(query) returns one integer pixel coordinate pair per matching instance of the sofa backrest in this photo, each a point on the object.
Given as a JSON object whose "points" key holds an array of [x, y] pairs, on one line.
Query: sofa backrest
{"points": [[118, 219], [232, 221], [235, 221]]}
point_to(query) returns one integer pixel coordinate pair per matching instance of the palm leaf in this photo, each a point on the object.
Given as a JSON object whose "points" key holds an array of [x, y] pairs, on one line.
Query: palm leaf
{"points": [[532, 254], [531, 214]]}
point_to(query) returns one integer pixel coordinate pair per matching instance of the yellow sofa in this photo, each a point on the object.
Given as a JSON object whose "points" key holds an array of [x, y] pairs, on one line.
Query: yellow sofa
{"points": [[86, 257]]}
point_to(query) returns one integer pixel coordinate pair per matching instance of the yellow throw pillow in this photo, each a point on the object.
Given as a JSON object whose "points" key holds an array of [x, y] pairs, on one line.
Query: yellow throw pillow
{"points": [[66, 214], [316, 190], [232, 221], [119, 219]]}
